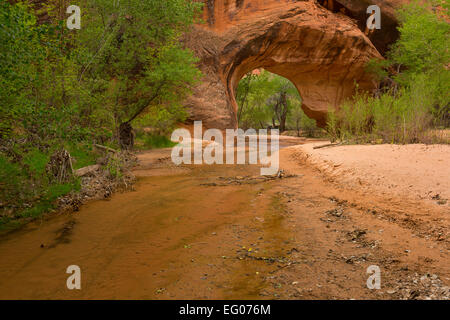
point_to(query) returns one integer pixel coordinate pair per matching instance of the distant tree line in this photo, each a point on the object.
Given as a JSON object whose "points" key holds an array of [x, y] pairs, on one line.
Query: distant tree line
{"points": [[267, 100]]}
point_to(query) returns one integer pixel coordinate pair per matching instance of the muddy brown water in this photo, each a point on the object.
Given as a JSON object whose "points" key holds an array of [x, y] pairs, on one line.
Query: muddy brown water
{"points": [[136, 244], [213, 232]]}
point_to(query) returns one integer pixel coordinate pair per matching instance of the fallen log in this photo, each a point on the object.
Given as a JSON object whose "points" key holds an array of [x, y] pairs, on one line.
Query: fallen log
{"points": [[105, 148], [89, 170]]}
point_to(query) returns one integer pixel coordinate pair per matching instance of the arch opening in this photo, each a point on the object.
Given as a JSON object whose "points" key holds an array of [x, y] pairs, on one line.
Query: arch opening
{"points": [[322, 53], [267, 100], [317, 65]]}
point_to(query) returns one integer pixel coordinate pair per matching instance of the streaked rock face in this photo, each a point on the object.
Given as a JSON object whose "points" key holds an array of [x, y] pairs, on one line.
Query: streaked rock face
{"points": [[322, 50]]}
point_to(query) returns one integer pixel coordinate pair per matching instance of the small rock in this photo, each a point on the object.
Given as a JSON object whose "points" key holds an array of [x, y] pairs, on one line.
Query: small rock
{"points": [[391, 291]]}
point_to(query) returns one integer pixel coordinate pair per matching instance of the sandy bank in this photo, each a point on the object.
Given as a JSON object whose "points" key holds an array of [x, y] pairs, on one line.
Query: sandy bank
{"points": [[414, 171]]}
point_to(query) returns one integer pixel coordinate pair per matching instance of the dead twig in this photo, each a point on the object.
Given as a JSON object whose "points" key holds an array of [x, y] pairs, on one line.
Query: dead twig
{"points": [[328, 145]]}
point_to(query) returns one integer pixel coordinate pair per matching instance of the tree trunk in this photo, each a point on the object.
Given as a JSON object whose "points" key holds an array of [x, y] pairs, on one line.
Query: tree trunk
{"points": [[243, 100], [126, 136], [283, 124], [283, 112]]}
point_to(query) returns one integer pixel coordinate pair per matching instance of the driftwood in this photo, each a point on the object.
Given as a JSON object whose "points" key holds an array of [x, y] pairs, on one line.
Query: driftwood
{"points": [[59, 168], [328, 145], [89, 170], [105, 148]]}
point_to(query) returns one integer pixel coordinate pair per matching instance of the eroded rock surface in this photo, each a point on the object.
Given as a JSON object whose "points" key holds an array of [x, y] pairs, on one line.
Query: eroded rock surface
{"points": [[320, 46]]}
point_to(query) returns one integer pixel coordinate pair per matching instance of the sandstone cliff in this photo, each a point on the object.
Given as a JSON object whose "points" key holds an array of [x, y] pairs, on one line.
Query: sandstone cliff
{"points": [[321, 46]]}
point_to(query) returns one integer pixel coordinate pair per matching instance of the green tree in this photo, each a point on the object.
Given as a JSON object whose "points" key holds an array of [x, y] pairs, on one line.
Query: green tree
{"points": [[266, 99], [133, 56], [242, 93], [65, 89], [296, 116], [421, 56], [21, 55], [281, 101], [414, 92], [423, 43]]}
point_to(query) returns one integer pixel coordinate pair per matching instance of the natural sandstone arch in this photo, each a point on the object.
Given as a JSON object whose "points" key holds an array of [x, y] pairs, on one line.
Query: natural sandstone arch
{"points": [[324, 64], [322, 52]]}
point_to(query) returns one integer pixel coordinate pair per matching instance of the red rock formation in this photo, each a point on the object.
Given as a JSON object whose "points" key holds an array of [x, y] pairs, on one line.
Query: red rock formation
{"points": [[317, 44], [322, 50]]}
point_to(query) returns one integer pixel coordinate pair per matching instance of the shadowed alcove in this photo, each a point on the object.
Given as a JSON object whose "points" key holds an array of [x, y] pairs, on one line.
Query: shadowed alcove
{"points": [[323, 53]]}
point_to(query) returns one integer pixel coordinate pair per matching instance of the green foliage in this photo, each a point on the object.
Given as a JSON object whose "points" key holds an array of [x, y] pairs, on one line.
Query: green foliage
{"points": [[25, 189], [417, 99], [253, 111], [423, 43], [163, 119], [82, 154], [20, 55], [35, 161], [114, 166], [301, 123], [80, 85], [267, 100], [63, 88], [147, 141], [44, 203], [133, 55], [10, 179], [402, 118]]}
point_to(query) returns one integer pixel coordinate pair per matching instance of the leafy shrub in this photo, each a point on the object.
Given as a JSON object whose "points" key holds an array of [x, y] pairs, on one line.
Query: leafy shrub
{"points": [[146, 140], [418, 100]]}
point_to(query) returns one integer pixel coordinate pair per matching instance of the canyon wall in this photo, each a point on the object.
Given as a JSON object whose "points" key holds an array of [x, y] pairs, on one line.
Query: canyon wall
{"points": [[321, 46]]}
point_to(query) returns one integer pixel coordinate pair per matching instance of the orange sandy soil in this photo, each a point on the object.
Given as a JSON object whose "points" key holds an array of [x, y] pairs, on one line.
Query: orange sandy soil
{"points": [[414, 171], [224, 232]]}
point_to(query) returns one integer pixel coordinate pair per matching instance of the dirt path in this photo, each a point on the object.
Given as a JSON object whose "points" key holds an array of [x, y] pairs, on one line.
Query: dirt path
{"points": [[222, 232]]}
